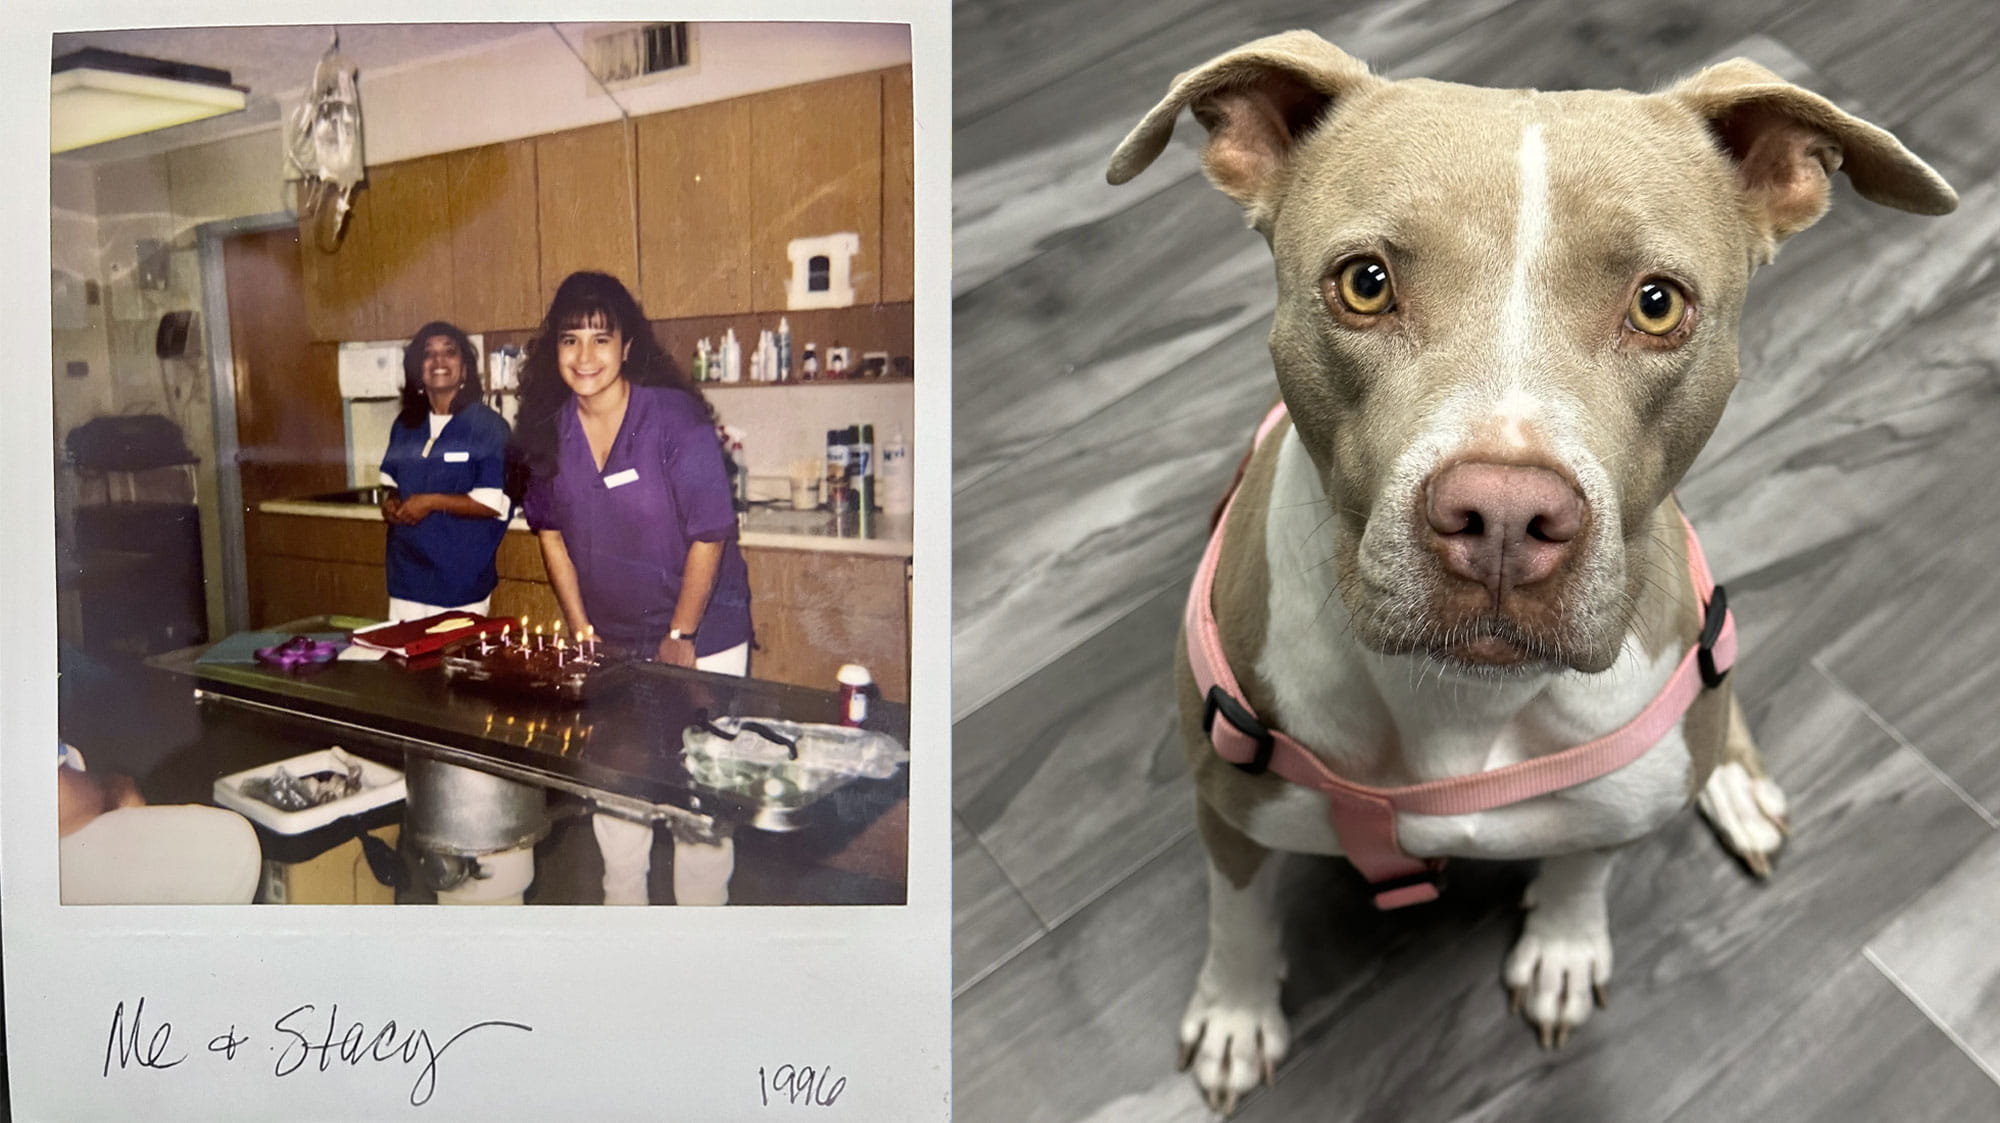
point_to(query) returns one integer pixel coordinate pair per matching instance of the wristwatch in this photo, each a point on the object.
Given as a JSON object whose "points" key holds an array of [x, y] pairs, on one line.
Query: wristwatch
{"points": [[676, 633]]}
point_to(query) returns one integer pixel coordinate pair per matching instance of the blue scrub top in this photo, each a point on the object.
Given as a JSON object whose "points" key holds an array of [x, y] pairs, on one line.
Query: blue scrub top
{"points": [[447, 559]]}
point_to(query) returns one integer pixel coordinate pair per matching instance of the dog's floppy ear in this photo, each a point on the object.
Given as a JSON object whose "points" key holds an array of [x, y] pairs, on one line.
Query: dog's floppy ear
{"points": [[1256, 102], [1786, 143]]}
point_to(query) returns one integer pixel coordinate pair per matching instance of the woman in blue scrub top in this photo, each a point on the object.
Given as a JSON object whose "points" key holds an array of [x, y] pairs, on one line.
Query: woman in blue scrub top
{"points": [[629, 495], [446, 464]]}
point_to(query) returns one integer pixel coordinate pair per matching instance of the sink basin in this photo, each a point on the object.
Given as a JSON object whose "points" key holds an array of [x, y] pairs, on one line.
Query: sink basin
{"points": [[359, 496]]}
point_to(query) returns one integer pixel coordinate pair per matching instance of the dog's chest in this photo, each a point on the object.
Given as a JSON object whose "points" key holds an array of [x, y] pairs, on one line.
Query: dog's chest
{"points": [[1389, 721]]}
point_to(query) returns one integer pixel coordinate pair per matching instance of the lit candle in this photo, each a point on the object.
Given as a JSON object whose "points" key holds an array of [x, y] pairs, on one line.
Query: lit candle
{"points": [[524, 629], [562, 654], [538, 637]]}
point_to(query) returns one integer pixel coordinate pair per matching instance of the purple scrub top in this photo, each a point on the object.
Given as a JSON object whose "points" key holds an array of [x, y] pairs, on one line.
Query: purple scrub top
{"points": [[628, 528]]}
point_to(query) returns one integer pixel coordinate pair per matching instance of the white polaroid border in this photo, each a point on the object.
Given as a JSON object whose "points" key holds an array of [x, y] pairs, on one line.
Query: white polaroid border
{"points": [[647, 1014]]}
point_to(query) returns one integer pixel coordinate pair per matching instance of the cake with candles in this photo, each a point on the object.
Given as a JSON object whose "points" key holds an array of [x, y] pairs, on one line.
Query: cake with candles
{"points": [[528, 662]]}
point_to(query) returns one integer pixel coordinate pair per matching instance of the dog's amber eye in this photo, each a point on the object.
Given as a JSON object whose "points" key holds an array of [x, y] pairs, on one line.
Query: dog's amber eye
{"points": [[1658, 307], [1362, 287]]}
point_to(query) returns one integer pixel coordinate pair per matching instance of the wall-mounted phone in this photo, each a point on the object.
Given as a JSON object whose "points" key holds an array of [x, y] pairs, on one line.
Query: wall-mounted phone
{"points": [[171, 341]]}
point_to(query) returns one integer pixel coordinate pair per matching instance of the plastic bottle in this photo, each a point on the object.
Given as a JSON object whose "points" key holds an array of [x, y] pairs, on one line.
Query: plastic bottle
{"points": [[898, 495], [861, 465], [784, 345], [732, 357], [810, 367], [836, 469], [855, 686]]}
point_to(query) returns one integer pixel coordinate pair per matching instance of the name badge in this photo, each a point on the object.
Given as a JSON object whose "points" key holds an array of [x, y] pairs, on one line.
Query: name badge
{"points": [[620, 479], [457, 457]]}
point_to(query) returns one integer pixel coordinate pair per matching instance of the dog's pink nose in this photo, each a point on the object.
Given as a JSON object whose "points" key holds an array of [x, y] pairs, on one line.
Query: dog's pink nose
{"points": [[1502, 525]]}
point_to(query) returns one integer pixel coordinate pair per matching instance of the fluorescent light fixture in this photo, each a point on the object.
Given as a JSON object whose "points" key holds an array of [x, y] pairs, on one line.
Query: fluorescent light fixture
{"points": [[97, 95]]}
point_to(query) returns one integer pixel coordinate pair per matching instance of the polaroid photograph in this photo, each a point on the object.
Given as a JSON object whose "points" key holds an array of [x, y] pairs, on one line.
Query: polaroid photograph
{"points": [[496, 462]]}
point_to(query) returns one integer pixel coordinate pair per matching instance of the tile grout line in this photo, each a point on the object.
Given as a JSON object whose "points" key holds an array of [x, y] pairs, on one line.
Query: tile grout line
{"points": [[1051, 925], [1896, 981], [1021, 945], [1110, 884], [1896, 734]]}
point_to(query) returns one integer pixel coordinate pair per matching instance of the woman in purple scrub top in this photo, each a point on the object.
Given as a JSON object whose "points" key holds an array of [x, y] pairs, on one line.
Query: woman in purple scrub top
{"points": [[628, 493]]}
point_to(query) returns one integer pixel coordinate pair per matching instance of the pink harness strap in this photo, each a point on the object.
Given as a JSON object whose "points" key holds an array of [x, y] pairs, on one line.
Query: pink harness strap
{"points": [[1365, 817]]}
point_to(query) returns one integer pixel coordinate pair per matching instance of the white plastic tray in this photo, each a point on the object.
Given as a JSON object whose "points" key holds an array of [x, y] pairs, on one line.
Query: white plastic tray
{"points": [[380, 784]]}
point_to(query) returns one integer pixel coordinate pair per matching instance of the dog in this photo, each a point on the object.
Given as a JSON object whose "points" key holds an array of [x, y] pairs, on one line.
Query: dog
{"points": [[1451, 609]]}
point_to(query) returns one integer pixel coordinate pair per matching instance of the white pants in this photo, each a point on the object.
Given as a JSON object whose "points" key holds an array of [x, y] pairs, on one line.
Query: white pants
{"points": [[701, 870], [167, 854], [401, 611]]}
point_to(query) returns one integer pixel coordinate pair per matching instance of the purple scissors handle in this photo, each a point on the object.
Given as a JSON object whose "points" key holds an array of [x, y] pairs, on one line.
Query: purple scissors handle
{"points": [[297, 652]]}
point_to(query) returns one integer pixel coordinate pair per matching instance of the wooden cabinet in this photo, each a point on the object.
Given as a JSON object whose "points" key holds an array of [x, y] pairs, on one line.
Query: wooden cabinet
{"points": [[409, 240], [301, 565], [524, 588], [899, 177], [815, 168], [585, 203], [340, 286], [495, 240], [814, 611], [692, 207], [392, 272], [694, 210]]}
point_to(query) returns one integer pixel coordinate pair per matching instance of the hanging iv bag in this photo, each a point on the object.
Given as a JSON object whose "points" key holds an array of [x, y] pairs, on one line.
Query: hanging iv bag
{"points": [[323, 145]]}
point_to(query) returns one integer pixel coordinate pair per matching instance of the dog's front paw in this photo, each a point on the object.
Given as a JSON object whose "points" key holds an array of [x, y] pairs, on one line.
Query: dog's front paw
{"points": [[1558, 968], [1232, 1041], [1748, 812]]}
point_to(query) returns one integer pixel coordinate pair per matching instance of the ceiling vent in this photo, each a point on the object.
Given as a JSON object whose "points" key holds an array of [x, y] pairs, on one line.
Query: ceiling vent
{"points": [[639, 52]]}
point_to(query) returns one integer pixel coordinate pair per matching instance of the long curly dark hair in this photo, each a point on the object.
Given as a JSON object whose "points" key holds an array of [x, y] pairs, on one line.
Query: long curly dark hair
{"points": [[417, 402], [584, 300]]}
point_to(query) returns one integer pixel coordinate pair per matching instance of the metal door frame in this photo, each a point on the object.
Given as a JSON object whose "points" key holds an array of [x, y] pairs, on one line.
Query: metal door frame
{"points": [[209, 237]]}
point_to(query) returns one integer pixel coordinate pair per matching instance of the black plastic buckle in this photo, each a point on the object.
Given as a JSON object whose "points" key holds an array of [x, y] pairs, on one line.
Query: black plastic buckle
{"points": [[1219, 701], [1711, 630]]}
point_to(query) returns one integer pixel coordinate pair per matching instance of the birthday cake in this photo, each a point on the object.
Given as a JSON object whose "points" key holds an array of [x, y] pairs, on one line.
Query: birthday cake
{"points": [[531, 667]]}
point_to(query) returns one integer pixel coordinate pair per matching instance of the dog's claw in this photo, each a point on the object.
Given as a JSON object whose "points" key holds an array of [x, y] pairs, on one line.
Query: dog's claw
{"points": [[1562, 1035], [1188, 1049], [1600, 994]]}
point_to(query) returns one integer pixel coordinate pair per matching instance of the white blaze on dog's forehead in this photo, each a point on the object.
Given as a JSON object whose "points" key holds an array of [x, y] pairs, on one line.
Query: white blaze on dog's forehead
{"points": [[1531, 228]]}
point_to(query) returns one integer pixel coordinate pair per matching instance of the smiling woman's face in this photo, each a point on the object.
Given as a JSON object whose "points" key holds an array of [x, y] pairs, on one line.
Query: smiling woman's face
{"points": [[444, 369], [591, 358]]}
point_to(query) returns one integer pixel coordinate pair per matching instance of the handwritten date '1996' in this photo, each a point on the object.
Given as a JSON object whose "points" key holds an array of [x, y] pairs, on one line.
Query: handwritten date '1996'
{"points": [[799, 1086]]}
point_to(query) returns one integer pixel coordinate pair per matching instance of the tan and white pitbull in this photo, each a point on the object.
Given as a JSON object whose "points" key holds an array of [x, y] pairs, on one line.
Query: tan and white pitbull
{"points": [[1506, 323]]}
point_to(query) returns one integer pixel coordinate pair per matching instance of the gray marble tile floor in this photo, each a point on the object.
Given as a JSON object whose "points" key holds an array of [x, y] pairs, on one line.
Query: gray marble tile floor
{"points": [[1109, 363]]}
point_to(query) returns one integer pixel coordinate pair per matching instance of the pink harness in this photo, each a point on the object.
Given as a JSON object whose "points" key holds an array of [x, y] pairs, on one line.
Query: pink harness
{"points": [[1365, 817]]}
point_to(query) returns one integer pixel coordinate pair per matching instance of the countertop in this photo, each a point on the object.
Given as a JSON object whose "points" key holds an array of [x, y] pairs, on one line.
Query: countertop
{"points": [[761, 527]]}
